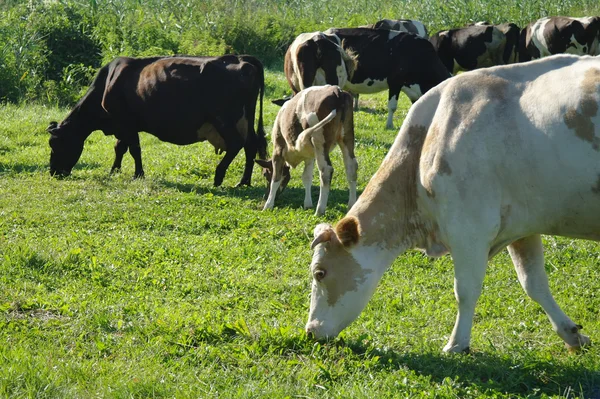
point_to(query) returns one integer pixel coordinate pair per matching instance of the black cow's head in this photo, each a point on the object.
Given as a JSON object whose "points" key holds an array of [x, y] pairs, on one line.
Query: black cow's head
{"points": [[65, 149], [267, 172]]}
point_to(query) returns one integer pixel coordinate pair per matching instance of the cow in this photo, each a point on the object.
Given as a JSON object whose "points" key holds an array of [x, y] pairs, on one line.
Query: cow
{"points": [[488, 159], [316, 59], [180, 100], [397, 61], [402, 25], [308, 127], [476, 46], [556, 35]]}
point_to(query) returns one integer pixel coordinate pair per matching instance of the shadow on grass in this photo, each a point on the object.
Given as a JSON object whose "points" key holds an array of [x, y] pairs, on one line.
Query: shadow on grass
{"points": [[20, 167], [523, 375]]}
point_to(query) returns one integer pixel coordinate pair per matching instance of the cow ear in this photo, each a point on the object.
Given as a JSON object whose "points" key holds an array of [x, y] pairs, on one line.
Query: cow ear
{"points": [[265, 163], [348, 231], [323, 233], [52, 127]]}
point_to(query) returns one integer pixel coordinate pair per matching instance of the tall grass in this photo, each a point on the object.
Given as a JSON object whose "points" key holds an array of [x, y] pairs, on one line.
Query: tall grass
{"points": [[50, 49]]}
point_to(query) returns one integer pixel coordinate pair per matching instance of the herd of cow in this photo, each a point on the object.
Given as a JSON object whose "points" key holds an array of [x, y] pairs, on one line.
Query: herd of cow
{"points": [[488, 159]]}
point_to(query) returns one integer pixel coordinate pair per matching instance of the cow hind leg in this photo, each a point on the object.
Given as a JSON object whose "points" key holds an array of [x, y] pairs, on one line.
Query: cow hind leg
{"points": [[307, 177], [136, 152], [528, 257], [250, 151], [392, 106], [120, 150], [325, 175], [278, 163], [351, 166]]}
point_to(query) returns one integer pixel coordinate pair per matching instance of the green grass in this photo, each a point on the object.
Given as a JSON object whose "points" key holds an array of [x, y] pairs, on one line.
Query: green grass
{"points": [[168, 287]]}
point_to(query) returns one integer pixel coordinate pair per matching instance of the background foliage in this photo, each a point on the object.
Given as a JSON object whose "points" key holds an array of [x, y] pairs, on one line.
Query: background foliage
{"points": [[50, 49]]}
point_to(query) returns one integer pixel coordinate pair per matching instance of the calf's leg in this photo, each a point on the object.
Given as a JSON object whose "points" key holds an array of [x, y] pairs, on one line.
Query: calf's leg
{"points": [[278, 163], [351, 166], [528, 257], [325, 175], [307, 177]]}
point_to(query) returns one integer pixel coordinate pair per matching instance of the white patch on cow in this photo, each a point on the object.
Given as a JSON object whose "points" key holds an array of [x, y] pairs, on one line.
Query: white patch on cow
{"points": [[320, 79], [365, 88], [392, 106], [413, 92], [537, 36], [393, 34]]}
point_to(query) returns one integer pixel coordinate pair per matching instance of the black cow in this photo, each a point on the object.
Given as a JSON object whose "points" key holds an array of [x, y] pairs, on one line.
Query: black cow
{"points": [[476, 46], [398, 61], [180, 100], [555, 35]]}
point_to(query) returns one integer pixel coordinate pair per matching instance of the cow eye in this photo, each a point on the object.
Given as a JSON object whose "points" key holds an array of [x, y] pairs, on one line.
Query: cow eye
{"points": [[319, 274]]}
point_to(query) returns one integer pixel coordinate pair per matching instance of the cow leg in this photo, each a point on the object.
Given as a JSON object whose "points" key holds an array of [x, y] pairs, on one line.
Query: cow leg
{"points": [[136, 152], [120, 150], [351, 167], [250, 152], [392, 106], [355, 102], [325, 175], [278, 163], [470, 262], [307, 177], [528, 257], [233, 146]]}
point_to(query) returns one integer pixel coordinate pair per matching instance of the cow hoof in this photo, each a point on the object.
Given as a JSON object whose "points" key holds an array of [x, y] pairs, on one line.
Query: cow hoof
{"points": [[584, 341], [456, 349], [138, 176]]}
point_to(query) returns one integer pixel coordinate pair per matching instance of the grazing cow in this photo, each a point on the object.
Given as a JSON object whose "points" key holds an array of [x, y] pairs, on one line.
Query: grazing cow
{"points": [[476, 46], [488, 159], [316, 59], [556, 35], [180, 100], [308, 127], [397, 61], [402, 25]]}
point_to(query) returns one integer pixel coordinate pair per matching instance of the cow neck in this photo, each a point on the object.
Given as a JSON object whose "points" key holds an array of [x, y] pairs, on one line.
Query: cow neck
{"points": [[387, 210]]}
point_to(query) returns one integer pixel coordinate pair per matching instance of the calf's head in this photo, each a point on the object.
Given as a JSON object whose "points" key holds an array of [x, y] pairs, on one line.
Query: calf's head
{"points": [[341, 284], [65, 149], [267, 172]]}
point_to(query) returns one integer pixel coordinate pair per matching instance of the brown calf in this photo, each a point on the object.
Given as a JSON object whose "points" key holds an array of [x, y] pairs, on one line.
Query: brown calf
{"points": [[307, 127]]}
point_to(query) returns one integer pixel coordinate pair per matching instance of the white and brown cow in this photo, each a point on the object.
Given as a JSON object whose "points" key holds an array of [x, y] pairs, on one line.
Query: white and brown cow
{"points": [[488, 159], [556, 35], [390, 60], [316, 59], [476, 46], [307, 127], [401, 25]]}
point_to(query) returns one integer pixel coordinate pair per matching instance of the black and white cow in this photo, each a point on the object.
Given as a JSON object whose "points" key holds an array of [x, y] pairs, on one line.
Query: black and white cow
{"points": [[316, 59], [180, 100], [390, 60], [476, 46], [402, 25], [555, 35]]}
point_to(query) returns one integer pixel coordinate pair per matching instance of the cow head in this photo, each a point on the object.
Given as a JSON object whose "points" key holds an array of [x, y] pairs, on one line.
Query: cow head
{"points": [[341, 284], [65, 149], [267, 172]]}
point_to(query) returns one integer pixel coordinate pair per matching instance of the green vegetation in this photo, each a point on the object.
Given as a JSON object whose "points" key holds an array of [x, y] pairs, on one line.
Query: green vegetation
{"points": [[50, 49], [168, 287]]}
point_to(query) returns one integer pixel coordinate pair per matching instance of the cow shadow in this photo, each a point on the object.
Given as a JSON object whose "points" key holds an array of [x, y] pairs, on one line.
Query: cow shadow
{"points": [[524, 377], [20, 167]]}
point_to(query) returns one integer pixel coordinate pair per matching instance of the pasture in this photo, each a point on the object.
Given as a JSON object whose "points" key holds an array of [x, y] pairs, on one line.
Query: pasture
{"points": [[168, 287]]}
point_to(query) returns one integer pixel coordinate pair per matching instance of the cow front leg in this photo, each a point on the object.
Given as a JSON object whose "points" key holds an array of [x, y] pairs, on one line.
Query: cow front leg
{"points": [[120, 150], [307, 178], [470, 263], [355, 101], [528, 257], [136, 152]]}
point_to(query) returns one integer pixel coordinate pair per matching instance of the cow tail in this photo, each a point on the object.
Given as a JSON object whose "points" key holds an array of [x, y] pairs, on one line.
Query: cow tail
{"points": [[260, 131]]}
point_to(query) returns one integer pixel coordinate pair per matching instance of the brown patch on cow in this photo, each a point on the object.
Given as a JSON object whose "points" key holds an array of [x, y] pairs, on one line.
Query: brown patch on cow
{"points": [[581, 121], [344, 274], [596, 188], [347, 231], [242, 126], [387, 206], [210, 133]]}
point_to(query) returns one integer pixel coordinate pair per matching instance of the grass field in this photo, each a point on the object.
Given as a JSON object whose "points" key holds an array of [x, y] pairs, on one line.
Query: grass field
{"points": [[167, 287]]}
